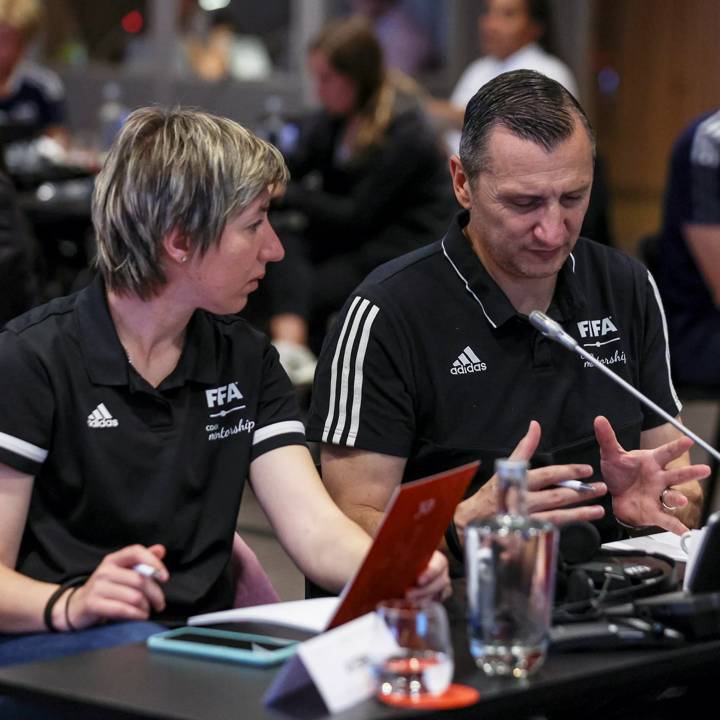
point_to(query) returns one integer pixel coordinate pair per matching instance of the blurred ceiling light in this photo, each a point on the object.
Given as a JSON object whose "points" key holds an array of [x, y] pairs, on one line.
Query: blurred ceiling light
{"points": [[132, 22], [608, 80], [210, 5]]}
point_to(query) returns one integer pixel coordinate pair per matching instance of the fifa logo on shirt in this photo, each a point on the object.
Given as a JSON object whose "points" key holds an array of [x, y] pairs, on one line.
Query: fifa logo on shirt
{"points": [[223, 394], [596, 328]]}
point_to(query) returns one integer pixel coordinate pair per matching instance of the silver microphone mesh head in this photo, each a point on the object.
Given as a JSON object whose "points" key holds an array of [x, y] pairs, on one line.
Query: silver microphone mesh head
{"points": [[548, 327]]}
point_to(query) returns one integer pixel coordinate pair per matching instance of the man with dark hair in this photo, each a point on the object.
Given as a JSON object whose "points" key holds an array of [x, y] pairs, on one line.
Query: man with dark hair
{"points": [[532, 110], [511, 38], [434, 363]]}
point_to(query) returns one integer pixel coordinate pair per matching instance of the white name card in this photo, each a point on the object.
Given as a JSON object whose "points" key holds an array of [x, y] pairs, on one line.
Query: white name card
{"points": [[338, 663]]}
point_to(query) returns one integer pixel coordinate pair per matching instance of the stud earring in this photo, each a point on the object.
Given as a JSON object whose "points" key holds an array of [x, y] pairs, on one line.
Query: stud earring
{"points": [[183, 259]]}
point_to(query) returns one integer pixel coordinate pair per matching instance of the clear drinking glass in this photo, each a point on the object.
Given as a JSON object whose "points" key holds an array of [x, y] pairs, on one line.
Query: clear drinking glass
{"points": [[423, 663], [510, 566]]}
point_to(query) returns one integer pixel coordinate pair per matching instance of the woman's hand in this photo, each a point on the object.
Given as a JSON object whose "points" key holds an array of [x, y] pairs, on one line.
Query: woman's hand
{"points": [[117, 592]]}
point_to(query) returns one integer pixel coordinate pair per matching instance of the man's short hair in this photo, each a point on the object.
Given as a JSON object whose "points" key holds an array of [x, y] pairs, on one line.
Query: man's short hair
{"points": [[25, 16], [173, 169], [529, 105]]}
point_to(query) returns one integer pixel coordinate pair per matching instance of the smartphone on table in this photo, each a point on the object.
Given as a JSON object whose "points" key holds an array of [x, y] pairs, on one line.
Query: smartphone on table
{"points": [[211, 643]]}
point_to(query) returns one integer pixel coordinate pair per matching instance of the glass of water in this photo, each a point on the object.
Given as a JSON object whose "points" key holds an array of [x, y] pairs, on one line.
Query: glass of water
{"points": [[423, 661]]}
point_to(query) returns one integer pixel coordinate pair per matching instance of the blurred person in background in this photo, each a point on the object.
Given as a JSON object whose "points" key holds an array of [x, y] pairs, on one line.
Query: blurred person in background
{"points": [[689, 257], [405, 44], [369, 182], [208, 46], [32, 98], [17, 253], [510, 33]]}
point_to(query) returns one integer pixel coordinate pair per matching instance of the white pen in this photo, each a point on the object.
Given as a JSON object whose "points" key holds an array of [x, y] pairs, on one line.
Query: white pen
{"points": [[575, 485], [146, 570]]}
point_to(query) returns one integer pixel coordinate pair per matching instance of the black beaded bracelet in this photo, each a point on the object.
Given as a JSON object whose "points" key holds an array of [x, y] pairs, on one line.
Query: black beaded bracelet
{"points": [[57, 594], [453, 542]]}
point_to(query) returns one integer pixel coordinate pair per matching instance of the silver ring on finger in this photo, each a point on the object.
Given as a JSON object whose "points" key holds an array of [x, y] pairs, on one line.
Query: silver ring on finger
{"points": [[665, 506]]}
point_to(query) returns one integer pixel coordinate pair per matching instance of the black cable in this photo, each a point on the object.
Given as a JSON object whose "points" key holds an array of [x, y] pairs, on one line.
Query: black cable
{"points": [[594, 608]]}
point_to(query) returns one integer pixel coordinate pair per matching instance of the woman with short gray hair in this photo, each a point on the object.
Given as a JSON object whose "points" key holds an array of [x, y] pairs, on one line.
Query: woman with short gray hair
{"points": [[132, 412]]}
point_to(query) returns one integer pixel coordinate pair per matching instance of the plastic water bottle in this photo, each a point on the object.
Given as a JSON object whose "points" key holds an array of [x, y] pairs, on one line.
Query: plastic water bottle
{"points": [[510, 568]]}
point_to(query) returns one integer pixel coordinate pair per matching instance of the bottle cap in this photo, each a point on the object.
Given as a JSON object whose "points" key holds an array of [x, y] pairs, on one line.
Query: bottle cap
{"points": [[507, 465]]}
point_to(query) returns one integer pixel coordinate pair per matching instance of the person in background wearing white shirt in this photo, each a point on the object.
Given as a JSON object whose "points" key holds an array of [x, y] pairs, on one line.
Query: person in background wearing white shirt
{"points": [[510, 32]]}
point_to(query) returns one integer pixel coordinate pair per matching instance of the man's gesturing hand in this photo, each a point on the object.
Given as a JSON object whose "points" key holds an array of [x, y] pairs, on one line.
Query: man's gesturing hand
{"points": [[636, 479]]}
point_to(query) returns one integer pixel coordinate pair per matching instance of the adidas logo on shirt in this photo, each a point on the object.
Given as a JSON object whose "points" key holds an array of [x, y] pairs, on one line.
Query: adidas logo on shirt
{"points": [[467, 362], [100, 417]]}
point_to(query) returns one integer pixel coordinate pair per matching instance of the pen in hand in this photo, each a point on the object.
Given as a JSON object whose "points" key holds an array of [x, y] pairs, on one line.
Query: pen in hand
{"points": [[146, 570], [575, 485]]}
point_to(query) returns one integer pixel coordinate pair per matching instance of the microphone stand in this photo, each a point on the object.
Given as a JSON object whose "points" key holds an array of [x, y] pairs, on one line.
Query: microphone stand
{"points": [[553, 330]]}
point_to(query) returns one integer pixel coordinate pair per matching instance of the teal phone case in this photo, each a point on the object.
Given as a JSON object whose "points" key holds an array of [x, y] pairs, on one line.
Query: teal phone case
{"points": [[211, 646]]}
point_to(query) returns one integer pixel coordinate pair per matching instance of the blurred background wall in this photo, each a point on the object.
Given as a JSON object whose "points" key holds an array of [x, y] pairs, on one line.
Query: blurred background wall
{"points": [[656, 67], [645, 68]]}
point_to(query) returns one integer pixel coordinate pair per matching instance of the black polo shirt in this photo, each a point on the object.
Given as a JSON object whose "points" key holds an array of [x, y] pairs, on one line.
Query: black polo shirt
{"points": [[117, 461], [431, 362]]}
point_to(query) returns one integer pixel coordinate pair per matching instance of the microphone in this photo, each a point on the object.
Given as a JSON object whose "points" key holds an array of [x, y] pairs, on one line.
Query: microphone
{"points": [[553, 330], [548, 327], [579, 542]]}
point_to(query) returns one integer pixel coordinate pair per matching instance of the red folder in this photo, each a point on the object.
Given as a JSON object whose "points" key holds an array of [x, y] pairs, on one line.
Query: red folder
{"points": [[415, 521]]}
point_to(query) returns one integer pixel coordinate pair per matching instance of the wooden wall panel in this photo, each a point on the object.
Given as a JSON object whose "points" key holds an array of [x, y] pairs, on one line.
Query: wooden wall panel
{"points": [[666, 54]]}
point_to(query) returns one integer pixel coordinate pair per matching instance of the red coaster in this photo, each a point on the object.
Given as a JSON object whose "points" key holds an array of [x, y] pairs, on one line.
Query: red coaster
{"points": [[455, 696]]}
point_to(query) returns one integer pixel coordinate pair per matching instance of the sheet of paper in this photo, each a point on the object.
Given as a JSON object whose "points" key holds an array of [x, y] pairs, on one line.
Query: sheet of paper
{"points": [[665, 543], [313, 614]]}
